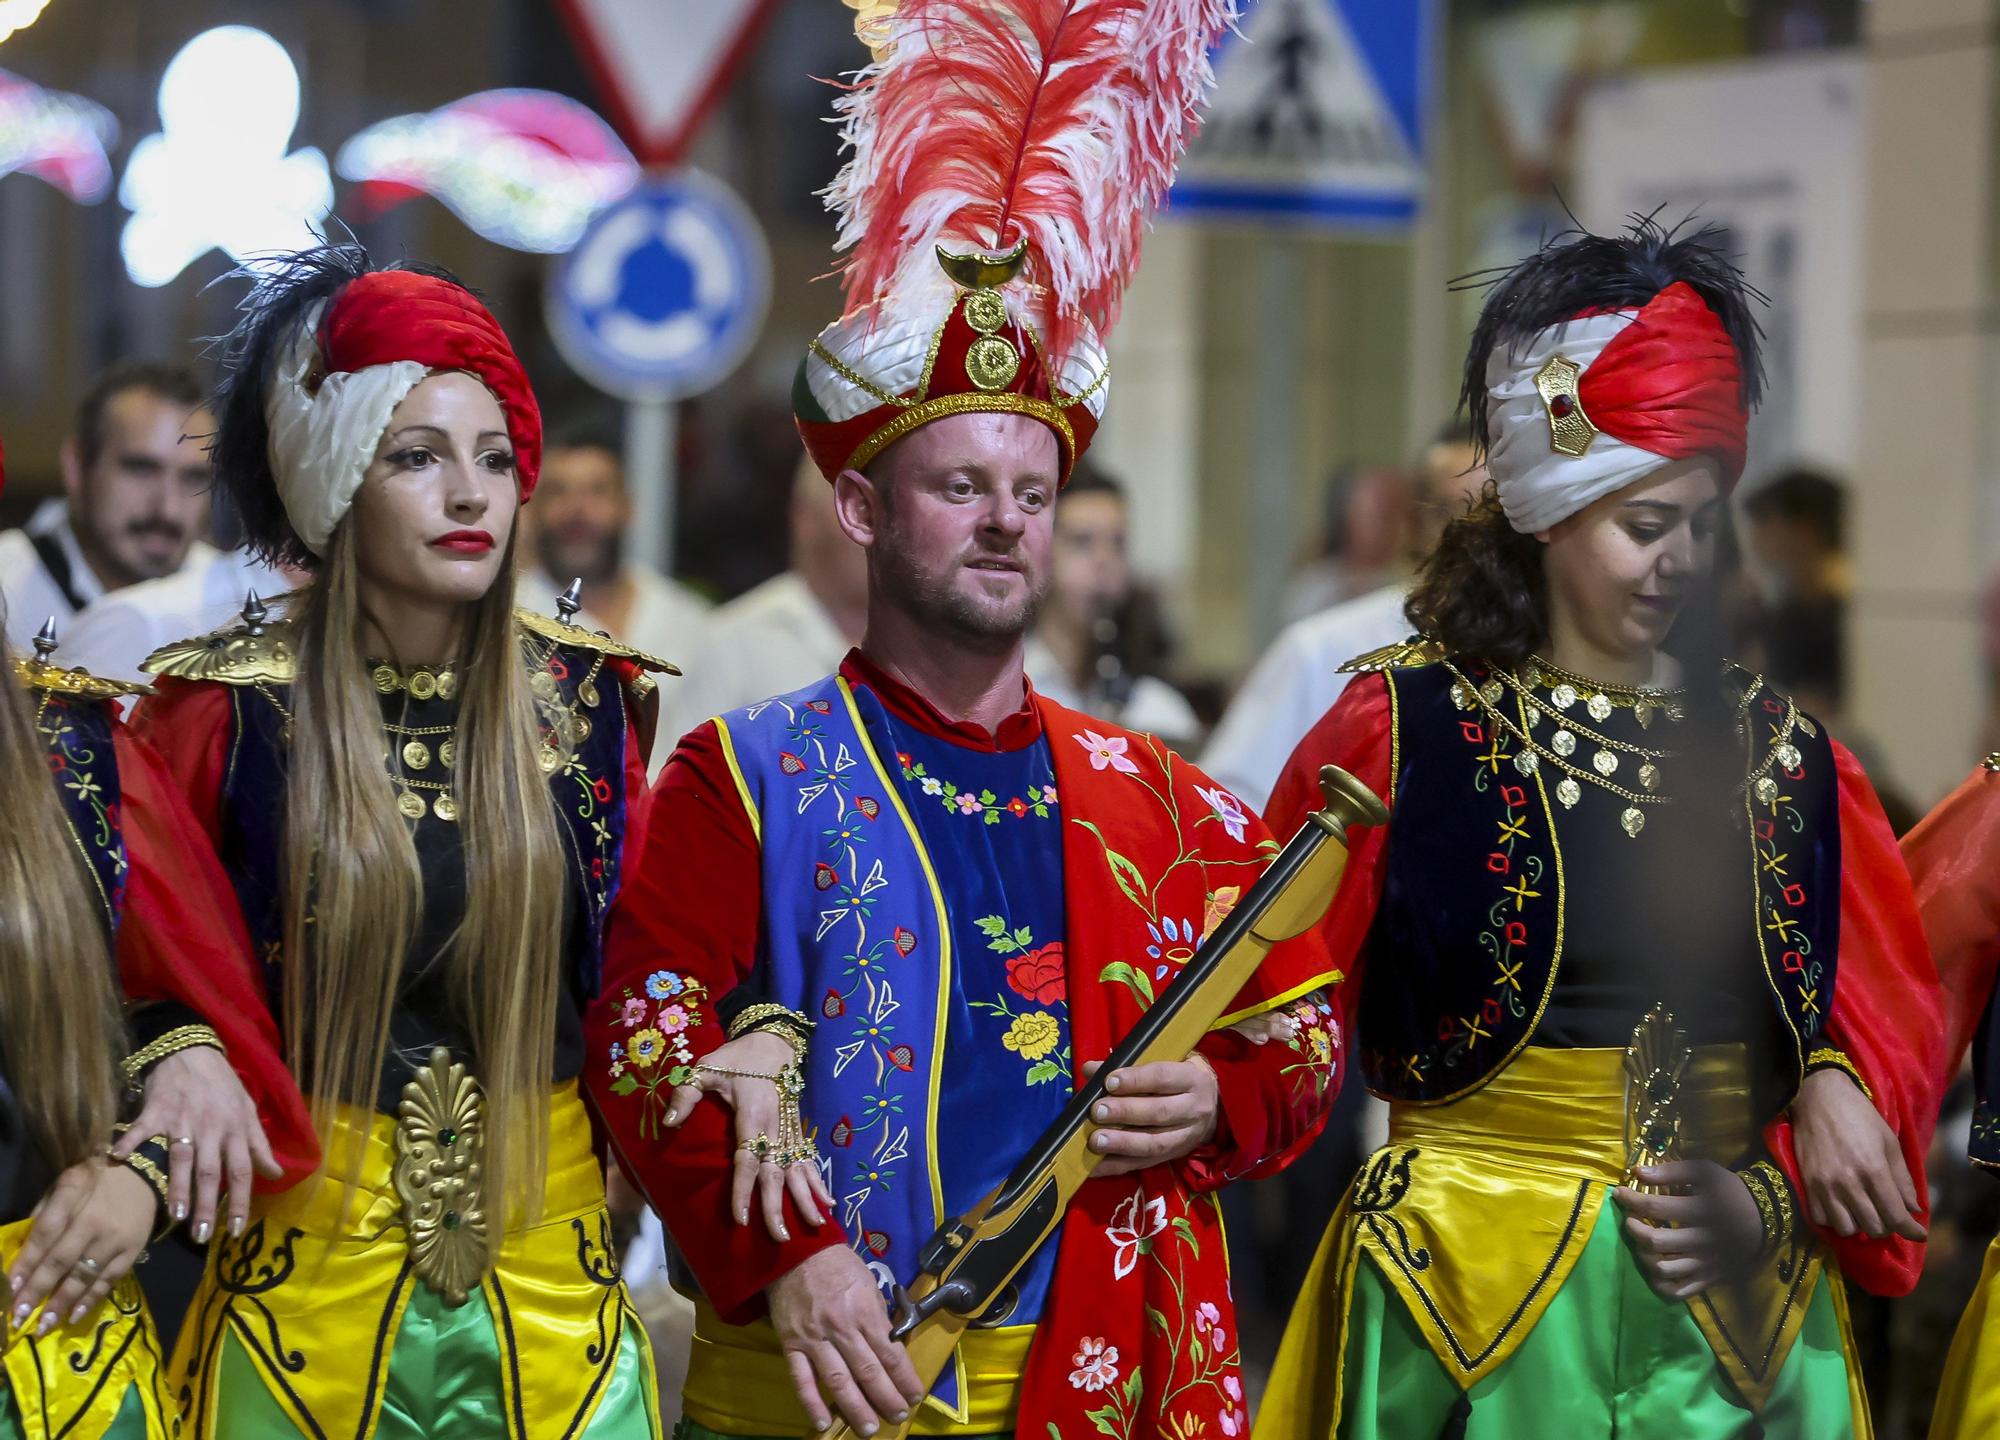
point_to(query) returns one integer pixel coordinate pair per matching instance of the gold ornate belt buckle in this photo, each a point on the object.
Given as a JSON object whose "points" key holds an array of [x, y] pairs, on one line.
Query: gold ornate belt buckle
{"points": [[1655, 1064], [440, 1147]]}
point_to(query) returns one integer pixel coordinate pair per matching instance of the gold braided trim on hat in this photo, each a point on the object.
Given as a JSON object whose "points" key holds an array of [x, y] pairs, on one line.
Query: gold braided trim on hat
{"points": [[914, 416]]}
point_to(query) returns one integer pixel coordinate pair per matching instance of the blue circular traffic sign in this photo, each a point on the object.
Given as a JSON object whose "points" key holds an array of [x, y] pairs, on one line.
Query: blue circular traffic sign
{"points": [[665, 293]]}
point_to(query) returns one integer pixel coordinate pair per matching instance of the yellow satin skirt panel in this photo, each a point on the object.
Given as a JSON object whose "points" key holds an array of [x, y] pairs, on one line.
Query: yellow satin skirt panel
{"points": [[315, 1290], [1968, 1403], [1477, 1211], [739, 1384], [73, 1382]]}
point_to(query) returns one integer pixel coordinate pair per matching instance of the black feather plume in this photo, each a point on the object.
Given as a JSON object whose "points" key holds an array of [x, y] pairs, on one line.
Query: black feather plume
{"points": [[1577, 271], [283, 291]]}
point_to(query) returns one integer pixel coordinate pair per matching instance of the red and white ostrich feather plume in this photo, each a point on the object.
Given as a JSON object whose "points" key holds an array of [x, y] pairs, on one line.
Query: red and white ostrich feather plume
{"points": [[987, 121]]}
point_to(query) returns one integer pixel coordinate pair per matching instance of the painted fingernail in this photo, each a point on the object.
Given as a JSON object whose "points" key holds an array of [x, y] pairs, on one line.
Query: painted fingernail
{"points": [[21, 1313], [78, 1313], [742, 1217], [180, 1212], [783, 1233], [201, 1232], [1103, 1112], [48, 1323]]}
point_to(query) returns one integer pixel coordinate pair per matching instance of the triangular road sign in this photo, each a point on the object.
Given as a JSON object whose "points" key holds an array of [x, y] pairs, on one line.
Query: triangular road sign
{"points": [[661, 65]]}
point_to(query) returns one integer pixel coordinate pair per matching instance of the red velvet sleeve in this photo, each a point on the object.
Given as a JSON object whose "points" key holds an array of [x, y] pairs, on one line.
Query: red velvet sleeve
{"points": [[188, 726], [181, 938], [1358, 735], [1950, 855], [691, 908], [1887, 1014]]}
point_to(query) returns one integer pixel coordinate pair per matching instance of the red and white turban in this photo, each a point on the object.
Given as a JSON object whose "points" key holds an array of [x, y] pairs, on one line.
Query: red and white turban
{"points": [[352, 362], [1586, 407]]}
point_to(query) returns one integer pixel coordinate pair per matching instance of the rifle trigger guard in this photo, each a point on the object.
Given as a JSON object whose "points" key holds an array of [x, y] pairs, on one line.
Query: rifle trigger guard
{"points": [[908, 1314]]}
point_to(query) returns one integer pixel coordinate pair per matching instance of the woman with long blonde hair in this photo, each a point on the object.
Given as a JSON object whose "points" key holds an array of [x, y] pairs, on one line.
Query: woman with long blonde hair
{"points": [[421, 797], [105, 865]]}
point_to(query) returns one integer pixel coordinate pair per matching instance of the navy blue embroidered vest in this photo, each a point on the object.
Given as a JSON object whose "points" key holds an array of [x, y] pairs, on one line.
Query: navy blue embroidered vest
{"points": [[589, 793], [1467, 941], [85, 770]]}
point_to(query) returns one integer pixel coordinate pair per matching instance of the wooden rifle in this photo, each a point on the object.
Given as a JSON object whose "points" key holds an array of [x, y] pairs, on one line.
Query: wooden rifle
{"points": [[965, 1268]]}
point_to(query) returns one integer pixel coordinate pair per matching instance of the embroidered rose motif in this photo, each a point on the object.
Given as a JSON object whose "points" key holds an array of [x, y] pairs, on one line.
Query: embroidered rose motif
{"points": [[1107, 753], [1039, 975], [1227, 809], [1135, 1221], [1096, 1364], [1032, 1035], [646, 1048]]}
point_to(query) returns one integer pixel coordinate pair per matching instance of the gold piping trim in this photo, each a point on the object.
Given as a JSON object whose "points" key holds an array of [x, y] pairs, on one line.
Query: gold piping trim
{"points": [[861, 382], [923, 413], [1323, 980], [736, 773]]}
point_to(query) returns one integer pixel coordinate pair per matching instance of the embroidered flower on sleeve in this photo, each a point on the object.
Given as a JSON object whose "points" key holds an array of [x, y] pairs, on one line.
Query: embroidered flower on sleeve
{"points": [[664, 984], [1096, 1364], [1136, 1221], [1032, 1035], [634, 1012], [1107, 752], [1215, 909], [1208, 1325], [1232, 1406], [1227, 809], [1039, 975], [673, 1017], [646, 1048]]}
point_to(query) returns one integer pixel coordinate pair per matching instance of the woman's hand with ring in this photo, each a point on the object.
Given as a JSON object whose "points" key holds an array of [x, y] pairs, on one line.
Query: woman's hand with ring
{"points": [[755, 1103]]}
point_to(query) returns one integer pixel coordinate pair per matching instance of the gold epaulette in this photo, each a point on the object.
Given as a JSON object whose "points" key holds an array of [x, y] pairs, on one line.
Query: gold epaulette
{"points": [[1404, 654], [232, 655], [562, 633], [54, 680]]}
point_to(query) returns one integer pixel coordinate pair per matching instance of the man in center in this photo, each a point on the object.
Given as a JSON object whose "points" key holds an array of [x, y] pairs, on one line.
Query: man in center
{"points": [[965, 893]]}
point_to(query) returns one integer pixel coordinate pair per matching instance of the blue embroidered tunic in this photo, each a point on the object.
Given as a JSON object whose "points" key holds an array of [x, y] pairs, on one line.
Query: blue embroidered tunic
{"points": [[990, 822]]}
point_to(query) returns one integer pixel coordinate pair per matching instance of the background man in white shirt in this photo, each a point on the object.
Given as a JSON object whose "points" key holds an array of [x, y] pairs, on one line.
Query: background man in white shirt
{"points": [[787, 632], [576, 528], [1299, 678], [135, 481]]}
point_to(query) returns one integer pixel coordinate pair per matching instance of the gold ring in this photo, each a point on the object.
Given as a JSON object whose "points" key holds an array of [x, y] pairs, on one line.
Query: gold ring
{"points": [[88, 1265], [761, 1145], [187, 1140]]}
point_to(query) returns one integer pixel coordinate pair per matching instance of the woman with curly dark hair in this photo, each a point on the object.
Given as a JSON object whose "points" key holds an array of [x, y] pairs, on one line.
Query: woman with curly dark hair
{"points": [[1636, 932]]}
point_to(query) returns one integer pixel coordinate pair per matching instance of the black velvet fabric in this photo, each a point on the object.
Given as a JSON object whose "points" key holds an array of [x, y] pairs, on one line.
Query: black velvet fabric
{"points": [[1508, 919]]}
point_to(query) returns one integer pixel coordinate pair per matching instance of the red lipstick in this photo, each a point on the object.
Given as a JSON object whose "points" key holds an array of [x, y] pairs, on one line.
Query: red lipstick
{"points": [[464, 542]]}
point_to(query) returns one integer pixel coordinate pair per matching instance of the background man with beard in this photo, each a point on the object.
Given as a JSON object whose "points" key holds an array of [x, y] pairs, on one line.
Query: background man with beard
{"points": [[578, 526], [135, 481]]}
